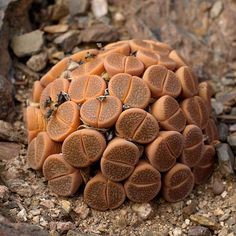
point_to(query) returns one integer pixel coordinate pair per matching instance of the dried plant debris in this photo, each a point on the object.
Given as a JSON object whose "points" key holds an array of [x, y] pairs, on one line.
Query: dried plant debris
{"points": [[134, 114]]}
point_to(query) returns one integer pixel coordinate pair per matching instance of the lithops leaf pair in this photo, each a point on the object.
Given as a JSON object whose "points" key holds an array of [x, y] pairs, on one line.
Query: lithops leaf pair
{"points": [[129, 120]]}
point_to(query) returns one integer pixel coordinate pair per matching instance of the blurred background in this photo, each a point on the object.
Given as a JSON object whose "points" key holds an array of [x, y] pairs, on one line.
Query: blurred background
{"points": [[35, 34]]}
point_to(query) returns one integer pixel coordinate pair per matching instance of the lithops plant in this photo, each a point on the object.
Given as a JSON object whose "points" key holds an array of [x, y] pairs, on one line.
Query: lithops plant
{"points": [[129, 120]]}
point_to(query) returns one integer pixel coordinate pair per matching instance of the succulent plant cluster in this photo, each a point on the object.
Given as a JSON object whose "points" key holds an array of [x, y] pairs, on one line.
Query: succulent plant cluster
{"points": [[127, 120]]}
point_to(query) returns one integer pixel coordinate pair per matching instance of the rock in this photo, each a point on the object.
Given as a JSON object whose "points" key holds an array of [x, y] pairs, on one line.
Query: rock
{"points": [[99, 8], [7, 108], [223, 131], [223, 232], [77, 7], [217, 187], [9, 150], [143, 210], [98, 33], [232, 140], [4, 193], [82, 211], [65, 205], [216, 9], [8, 133], [22, 215], [68, 40], [27, 44], [20, 187], [53, 29], [199, 231], [11, 22], [63, 227], [177, 232], [119, 17], [205, 221], [13, 229], [37, 62], [58, 10], [217, 106], [232, 128], [190, 209], [225, 158]]}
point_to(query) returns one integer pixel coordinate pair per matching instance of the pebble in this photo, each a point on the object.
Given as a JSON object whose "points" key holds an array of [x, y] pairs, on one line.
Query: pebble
{"points": [[58, 10], [223, 131], [22, 215], [177, 232], [20, 187], [216, 9], [53, 29], [205, 221], [232, 140], [99, 8], [82, 211], [27, 44], [232, 128], [217, 187], [218, 212], [224, 194], [35, 212], [63, 227], [37, 62], [199, 231], [190, 209], [143, 210], [68, 40], [35, 219], [225, 158], [218, 107], [77, 7], [47, 203], [119, 17], [65, 205], [4, 193]]}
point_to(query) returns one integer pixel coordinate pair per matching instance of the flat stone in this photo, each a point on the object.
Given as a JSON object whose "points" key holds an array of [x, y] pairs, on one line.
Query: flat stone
{"points": [[216, 9], [99, 8], [223, 130], [98, 33], [9, 150], [27, 44], [53, 29], [205, 221], [37, 62], [199, 231], [78, 7], [68, 40], [225, 158]]}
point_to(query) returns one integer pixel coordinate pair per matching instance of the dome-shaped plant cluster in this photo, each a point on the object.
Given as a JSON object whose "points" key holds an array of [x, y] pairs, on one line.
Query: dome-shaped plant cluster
{"points": [[128, 120]]}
